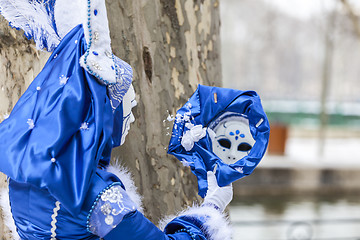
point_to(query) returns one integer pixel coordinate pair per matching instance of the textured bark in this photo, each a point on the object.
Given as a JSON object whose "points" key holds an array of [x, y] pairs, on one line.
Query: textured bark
{"points": [[172, 45]]}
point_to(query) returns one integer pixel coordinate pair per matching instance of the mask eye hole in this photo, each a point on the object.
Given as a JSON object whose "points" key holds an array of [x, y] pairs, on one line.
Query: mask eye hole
{"points": [[225, 143], [244, 147]]}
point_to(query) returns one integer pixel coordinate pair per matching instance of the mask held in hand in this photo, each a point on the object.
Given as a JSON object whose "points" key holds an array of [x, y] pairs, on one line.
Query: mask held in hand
{"points": [[221, 130]]}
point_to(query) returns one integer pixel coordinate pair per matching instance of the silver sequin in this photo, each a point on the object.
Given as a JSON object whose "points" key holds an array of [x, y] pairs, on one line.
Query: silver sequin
{"points": [[96, 66], [109, 220]]}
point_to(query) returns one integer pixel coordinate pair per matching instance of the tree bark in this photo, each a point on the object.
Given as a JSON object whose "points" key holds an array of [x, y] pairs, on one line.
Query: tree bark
{"points": [[172, 45]]}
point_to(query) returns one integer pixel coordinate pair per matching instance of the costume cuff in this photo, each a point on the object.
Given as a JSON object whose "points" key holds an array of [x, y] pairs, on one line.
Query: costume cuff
{"points": [[212, 223], [109, 209], [126, 178]]}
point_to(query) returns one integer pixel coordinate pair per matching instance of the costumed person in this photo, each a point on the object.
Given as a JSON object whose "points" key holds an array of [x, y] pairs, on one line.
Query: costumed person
{"points": [[56, 144]]}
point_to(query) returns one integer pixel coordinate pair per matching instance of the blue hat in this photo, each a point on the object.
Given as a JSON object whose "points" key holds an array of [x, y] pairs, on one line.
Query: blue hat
{"points": [[205, 107]]}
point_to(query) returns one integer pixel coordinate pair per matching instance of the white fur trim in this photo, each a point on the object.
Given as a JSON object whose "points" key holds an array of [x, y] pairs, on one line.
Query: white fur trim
{"points": [[217, 226], [6, 210], [125, 176], [67, 15], [99, 59]]}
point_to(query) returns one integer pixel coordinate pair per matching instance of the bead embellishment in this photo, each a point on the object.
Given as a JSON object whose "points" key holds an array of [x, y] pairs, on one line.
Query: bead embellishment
{"points": [[108, 54], [96, 66], [54, 220], [240, 169], [38, 88], [96, 37], [53, 160], [31, 123], [95, 12], [84, 126], [192, 235], [260, 122], [63, 80]]}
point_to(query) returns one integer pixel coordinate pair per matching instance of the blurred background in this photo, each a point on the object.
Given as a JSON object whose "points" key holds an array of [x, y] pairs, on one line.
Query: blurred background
{"points": [[303, 58]]}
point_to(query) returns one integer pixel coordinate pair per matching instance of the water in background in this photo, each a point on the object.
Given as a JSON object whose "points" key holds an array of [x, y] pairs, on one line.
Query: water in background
{"points": [[296, 218]]}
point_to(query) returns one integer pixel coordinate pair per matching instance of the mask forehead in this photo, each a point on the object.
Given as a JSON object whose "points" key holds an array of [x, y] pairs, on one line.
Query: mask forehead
{"points": [[233, 139]]}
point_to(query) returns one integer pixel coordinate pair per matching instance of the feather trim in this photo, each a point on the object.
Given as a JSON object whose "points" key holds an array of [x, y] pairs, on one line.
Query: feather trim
{"points": [[126, 178], [33, 19], [217, 225], [6, 210]]}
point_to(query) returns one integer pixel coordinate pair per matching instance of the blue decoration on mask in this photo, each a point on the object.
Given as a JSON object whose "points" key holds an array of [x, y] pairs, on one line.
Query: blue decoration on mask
{"points": [[206, 105]]}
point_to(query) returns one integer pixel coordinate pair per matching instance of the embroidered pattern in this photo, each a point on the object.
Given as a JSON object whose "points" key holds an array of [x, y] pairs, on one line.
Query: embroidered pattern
{"points": [[54, 221], [110, 207]]}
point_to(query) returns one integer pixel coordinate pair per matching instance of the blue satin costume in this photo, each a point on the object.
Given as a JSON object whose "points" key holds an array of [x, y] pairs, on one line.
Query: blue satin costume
{"points": [[56, 164]]}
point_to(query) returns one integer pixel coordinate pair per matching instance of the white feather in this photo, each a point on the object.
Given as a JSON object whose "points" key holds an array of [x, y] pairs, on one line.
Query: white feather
{"points": [[33, 19]]}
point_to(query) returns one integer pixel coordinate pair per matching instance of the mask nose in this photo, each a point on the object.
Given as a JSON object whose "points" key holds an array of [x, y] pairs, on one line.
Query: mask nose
{"points": [[232, 154]]}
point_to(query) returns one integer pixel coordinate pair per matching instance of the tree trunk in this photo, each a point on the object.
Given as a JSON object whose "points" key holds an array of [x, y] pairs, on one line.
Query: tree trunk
{"points": [[172, 45]]}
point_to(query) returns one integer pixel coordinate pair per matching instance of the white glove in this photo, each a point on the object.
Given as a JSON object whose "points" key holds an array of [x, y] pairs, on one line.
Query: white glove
{"points": [[218, 196]]}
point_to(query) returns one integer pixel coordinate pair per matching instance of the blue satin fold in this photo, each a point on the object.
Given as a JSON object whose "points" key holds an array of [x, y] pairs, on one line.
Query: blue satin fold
{"points": [[204, 109], [135, 227], [59, 154]]}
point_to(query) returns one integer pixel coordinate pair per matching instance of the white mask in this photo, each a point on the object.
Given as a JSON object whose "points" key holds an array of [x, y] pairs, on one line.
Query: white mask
{"points": [[232, 140], [128, 103]]}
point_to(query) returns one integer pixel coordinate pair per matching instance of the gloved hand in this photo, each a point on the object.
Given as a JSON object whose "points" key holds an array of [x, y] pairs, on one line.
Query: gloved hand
{"points": [[218, 196]]}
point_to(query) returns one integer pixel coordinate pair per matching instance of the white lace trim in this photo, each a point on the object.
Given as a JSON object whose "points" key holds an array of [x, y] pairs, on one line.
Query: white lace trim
{"points": [[54, 220]]}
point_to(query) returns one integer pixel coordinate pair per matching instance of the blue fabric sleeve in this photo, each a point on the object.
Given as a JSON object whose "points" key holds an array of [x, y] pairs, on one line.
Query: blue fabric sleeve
{"points": [[136, 226]]}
